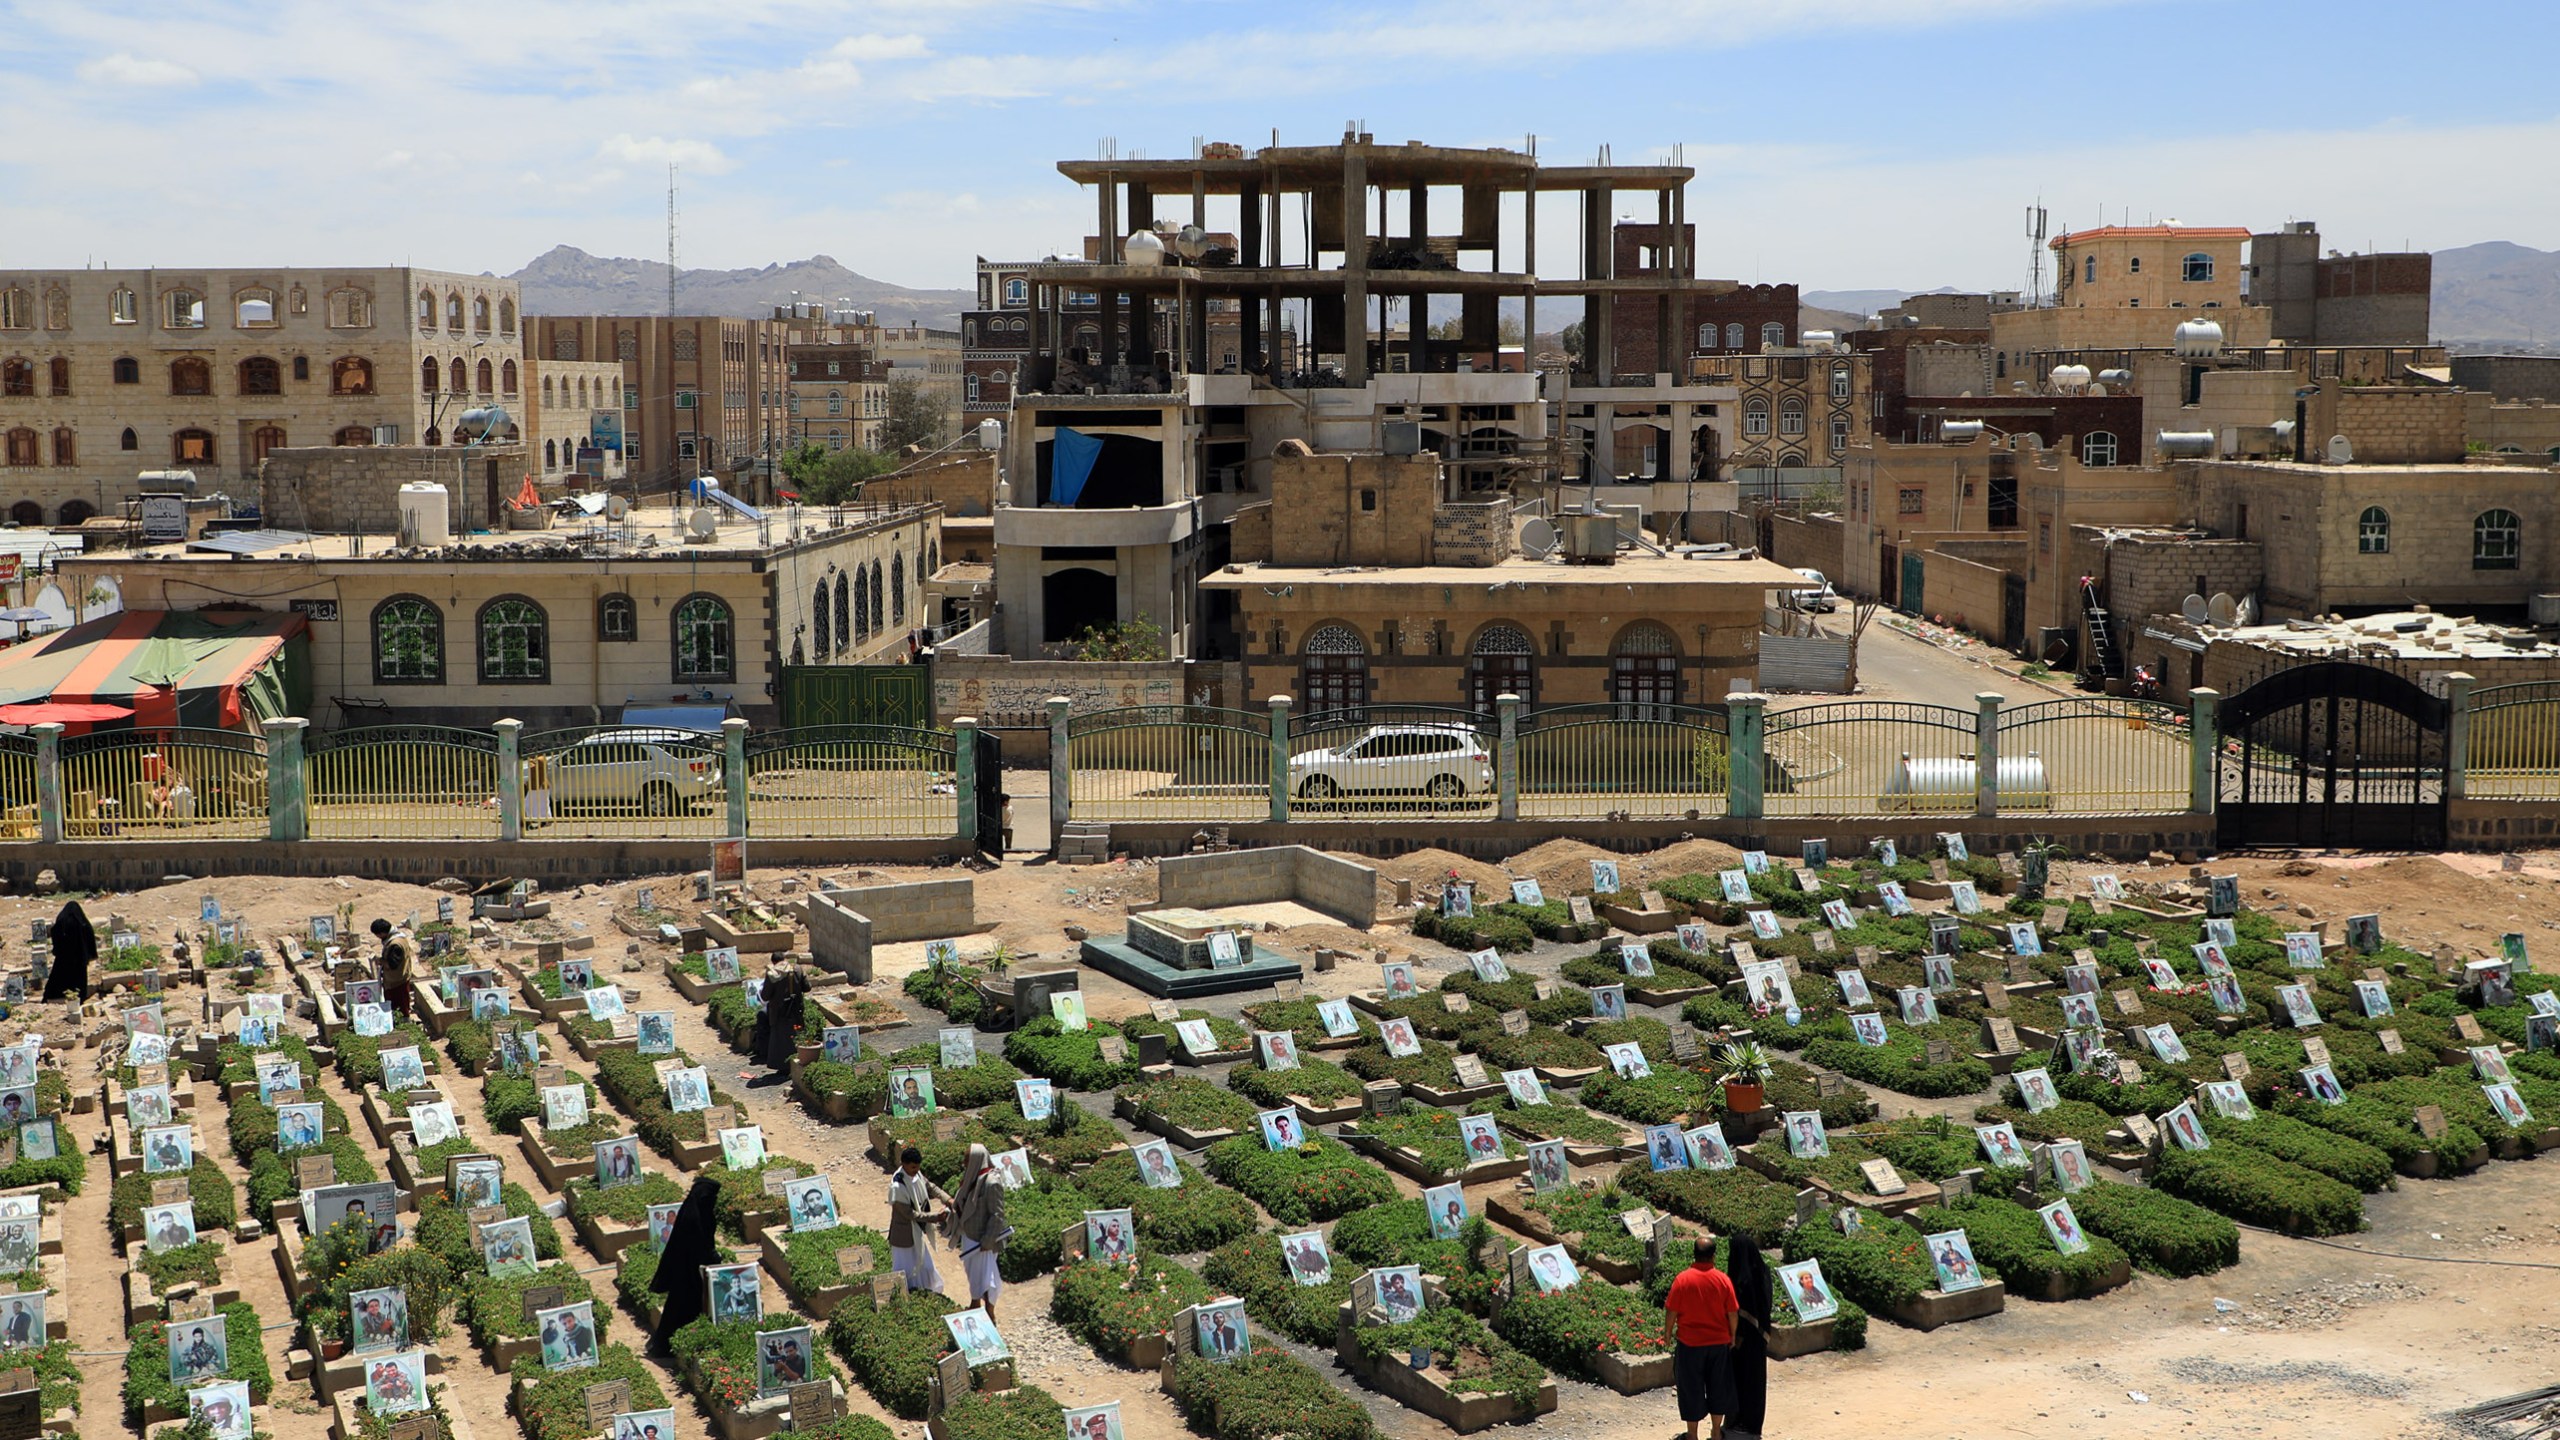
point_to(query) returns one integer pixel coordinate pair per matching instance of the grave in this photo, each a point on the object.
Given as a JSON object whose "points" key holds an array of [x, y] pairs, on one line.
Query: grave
{"points": [[1166, 955]]}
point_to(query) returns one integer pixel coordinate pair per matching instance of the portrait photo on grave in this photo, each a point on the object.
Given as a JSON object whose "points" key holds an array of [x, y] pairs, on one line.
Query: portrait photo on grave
{"points": [[1156, 1167], [1548, 1167], [2067, 1162], [1446, 1208], [1951, 1253], [379, 1319], [1608, 1002], [1665, 1147], [733, 1292], [224, 1407], [1094, 1422], [1806, 1289], [1867, 1027], [910, 1093], [1109, 1235], [644, 1425], [785, 1358], [1806, 1137], [1626, 1060], [1853, 988], [1036, 1098], [1067, 1008], [1708, 1149], [2035, 1090], [396, 1384]]}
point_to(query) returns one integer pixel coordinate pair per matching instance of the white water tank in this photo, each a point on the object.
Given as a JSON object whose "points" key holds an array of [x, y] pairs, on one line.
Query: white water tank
{"points": [[2069, 377], [2115, 379], [991, 435], [1959, 432], [2187, 444], [2197, 339], [1948, 784], [426, 514]]}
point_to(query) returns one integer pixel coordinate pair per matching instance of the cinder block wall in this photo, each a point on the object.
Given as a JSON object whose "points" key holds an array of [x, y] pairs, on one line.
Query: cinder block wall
{"points": [[839, 937], [1346, 890], [917, 910]]}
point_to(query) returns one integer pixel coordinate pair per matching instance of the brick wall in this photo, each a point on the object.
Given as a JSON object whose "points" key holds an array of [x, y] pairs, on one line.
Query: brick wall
{"points": [[2391, 426], [356, 488], [914, 910], [1471, 534], [1343, 889]]}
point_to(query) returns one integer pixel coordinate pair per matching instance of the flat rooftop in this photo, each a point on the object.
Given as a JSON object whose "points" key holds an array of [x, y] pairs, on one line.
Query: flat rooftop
{"points": [[1637, 569], [2405, 635], [650, 534]]}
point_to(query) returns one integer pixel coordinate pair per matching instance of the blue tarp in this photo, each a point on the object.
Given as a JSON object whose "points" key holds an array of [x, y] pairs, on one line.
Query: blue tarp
{"points": [[705, 718], [1071, 459]]}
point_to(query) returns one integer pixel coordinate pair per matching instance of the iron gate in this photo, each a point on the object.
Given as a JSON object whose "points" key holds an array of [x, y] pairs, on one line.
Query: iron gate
{"points": [[856, 695], [990, 763], [2333, 755]]}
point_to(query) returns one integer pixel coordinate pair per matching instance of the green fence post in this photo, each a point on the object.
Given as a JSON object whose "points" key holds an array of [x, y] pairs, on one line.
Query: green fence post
{"points": [[733, 770], [1061, 771], [510, 779], [964, 777], [1279, 759], [288, 802], [1506, 759], [1746, 755], [1986, 754], [2457, 734], [2205, 762], [48, 782]]}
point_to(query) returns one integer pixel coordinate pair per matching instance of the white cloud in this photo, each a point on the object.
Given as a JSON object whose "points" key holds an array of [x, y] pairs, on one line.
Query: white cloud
{"points": [[881, 47], [699, 156], [126, 68]]}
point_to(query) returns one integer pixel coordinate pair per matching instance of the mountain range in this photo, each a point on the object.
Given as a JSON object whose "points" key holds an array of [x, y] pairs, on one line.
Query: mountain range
{"points": [[2496, 293]]}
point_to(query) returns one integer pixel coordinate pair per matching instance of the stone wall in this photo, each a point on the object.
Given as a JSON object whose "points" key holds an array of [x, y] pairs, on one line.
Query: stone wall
{"points": [[355, 489], [839, 938], [1333, 508], [2391, 426], [1476, 534], [914, 910], [1344, 889]]}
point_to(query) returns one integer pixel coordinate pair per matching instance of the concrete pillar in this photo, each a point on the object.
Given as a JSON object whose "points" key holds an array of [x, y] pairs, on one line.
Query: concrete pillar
{"points": [[288, 802], [1355, 261], [48, 783], [1986, 754], [1506, 770], [2457, 735], [1279, 759], [2206, 766], [964, 776], [1746, 755], [1676, 465], [1061, 774], [510, 779], [733, 771]]}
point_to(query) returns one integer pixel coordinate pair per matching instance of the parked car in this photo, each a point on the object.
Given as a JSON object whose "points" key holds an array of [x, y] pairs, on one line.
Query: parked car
{"points": [[663, 772], [1819, 596], [1445, 762]]}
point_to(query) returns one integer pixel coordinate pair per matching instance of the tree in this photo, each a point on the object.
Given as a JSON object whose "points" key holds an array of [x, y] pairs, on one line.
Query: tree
{"points": [[1571, 339], [831, 477], [914, 416], [1508, 332]]}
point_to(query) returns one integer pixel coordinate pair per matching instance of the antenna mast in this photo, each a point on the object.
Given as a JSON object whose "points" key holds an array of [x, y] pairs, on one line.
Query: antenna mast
{"points": [[671, 238], [2035, 254]]}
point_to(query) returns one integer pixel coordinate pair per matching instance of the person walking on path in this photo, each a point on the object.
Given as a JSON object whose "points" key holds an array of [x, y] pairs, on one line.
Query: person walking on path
{"points": [[1749, 1272], [1701, 1309], [911, 1218], [977, 1220]]}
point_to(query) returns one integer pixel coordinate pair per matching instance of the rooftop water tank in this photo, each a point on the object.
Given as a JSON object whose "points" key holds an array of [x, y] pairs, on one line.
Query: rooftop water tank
{"points": [[1821, 340], [2115, 379], [1959, 432], [2186, 444], [991, 435], [2069, 377], [2198, 339], [426, 514], [1142, 249]]}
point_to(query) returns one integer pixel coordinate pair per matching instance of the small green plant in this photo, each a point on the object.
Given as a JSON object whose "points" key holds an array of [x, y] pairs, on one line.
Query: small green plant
{"points": [[1744, 1062]]}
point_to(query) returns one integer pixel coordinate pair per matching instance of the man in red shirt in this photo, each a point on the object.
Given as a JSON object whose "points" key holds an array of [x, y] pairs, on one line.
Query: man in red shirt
{"points": [[1702, 1311]]}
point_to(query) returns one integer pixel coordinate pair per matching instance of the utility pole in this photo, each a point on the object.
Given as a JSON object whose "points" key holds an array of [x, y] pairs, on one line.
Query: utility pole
{"points": [[671, 239]]}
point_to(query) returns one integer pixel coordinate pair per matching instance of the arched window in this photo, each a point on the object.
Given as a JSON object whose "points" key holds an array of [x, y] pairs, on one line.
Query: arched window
{"points": [[506, 317], [1755, 416], [844, 605], [627, 347], [351, 375], [74, 512], [2089, 270], [2199, 266], [193, 447], [705, 638], [506, 377], [480, 313], [550, 454], [433, 436], [823, 619], [1644, 671], [933, 557], [515, 642], [301, 367], [835, 402], [1707, 336], [1733, 335], [1333, 670], [430, 376], [22, 448], [17, 377], [1839, 434], [2373, 531], [879, 606], [898, 587], [254, 309], [457, 376], [186, 310], [1791, 415], [66, 446], [1839, 382], [546, 390], [453, 314], [408, 642], [123, 307], [17, 309], [1772, 335], [617, 618], [26, 512], [2098, 447], [354, 435], [2496, 537], [130, 441], [488, 376], [128, 371], [263, 440], [350, 309], [688, 346], [190, 376], [1500, 663], [260, 375], [861, 610], [426, 309], [60, 368]]}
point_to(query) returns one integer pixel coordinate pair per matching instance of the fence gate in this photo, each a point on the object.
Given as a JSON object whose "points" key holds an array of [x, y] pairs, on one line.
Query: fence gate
{"points": [[2333, 754], [815, 695], [990, 762], [1914, 567]]}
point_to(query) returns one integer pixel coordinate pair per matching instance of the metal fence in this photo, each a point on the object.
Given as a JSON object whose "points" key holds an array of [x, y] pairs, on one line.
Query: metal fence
{"points": [[1406, 761], [403, 782], [852, 782], [1170, 762], [2097, 755], [2515, 742], [18, 809], [1857, 757], [619, 782], [164, 782], [1590, 762]]}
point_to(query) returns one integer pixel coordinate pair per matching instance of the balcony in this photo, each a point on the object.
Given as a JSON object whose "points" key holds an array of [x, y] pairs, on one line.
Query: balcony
{"points": [[1135, 526]]}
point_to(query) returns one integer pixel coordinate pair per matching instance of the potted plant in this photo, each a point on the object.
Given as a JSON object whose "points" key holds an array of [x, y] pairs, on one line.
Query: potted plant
{"points": [[1746, 1074]]}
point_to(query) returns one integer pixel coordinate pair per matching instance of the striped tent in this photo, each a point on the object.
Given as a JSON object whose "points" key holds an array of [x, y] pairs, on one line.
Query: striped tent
{"points": [[216, 670]]}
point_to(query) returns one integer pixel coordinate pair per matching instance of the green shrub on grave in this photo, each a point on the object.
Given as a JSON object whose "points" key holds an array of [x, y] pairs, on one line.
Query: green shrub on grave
{"points": [[2158, 1231], [1319, 1180], [1266, 1395], [147, 1385], [1254, 1270], [1071, 1058], [552, 1404], [2256, 1188], [2011, 1239]]}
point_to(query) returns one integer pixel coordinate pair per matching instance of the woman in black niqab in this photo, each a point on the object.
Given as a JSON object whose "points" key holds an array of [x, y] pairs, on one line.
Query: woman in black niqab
{"points": [[692, 1242], [1750, 1275], [75, 944]]}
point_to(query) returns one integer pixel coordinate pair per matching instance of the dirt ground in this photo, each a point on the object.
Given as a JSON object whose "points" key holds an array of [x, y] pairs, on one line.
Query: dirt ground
{"points": [[2446, 1300]]}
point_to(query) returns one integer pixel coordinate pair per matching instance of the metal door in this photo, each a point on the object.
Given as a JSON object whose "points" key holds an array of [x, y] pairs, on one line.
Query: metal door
{"points": [[1912, 570], [857, 695], [2333, 755], [2013, 612], [990, 761]]}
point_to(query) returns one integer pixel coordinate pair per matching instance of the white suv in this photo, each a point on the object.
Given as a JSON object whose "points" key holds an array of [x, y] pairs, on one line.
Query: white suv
{"points": [[664, 772], [1445, 762], [1820, 597]]}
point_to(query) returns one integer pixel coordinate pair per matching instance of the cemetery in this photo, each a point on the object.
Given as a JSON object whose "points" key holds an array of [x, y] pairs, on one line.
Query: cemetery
{"points": [[1304, 1147]]}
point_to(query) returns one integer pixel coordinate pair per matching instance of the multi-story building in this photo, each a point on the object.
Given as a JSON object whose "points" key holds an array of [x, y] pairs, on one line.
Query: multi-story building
{"points": [[701, 394], [839, 393], [2334, 299], [105, 374], [573, 418], [1704, 318]]}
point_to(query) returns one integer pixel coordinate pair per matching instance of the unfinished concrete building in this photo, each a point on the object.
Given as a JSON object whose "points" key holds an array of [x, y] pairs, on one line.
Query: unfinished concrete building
{"points": [[1344, 261]]}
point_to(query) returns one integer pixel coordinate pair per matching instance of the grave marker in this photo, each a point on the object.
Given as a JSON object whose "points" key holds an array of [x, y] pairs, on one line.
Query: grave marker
{"points": [[543, 1297], [1881, 1176], [1995, 996], [2144, 1133], [888, 1286], [2315, 1050], [2391, 1044], [1470, 1072], [2001, 1034], [855, 1259], [604, 1402], [1939, 1052], [1515, 1022], [310, 1172], [2127, 1002], [813, 1403], [2430, 1120]]}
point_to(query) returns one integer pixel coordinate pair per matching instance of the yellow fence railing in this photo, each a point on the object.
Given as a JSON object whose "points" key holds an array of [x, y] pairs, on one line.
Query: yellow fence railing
{"points": [[2514, 751], [852, 782], [1590, 762], [164, 782], [403, 782], [2098, 755], [1170, 762]]}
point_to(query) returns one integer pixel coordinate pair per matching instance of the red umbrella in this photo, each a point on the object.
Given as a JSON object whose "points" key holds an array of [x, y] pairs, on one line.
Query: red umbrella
{"points": [[64, 712]]}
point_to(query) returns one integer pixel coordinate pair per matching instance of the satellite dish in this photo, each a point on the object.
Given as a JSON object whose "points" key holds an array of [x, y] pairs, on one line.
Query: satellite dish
{"points": [[1537, 538], [702, 524], [615, 507], [2248, 609], [2221, 610], [2193, 608], [2341, 450]]}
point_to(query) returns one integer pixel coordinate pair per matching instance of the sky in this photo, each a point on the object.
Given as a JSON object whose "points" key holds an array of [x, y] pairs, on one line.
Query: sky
{"points": [[1838, 143]]}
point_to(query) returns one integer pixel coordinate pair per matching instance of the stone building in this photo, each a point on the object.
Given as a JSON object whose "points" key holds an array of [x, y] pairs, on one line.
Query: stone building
{"points": [[562, 628], [839, 393], [1707, 317], [105, 374], [701, 394], [573, 419]]}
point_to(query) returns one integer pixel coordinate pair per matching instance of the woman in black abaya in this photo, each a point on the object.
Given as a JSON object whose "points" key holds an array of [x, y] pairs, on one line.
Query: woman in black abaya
{"points": [[75, 944], [692, 1242], [1750, 1275]]}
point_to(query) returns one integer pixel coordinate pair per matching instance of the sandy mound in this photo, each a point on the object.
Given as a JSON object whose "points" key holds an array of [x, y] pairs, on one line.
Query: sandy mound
{"points": [[1427, 869], [1563, 867]]}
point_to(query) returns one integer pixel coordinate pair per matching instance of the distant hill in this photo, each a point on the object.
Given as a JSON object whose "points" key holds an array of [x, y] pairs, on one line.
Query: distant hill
{"points": [[2496, 292], [1862, 303], [566, 280]]}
